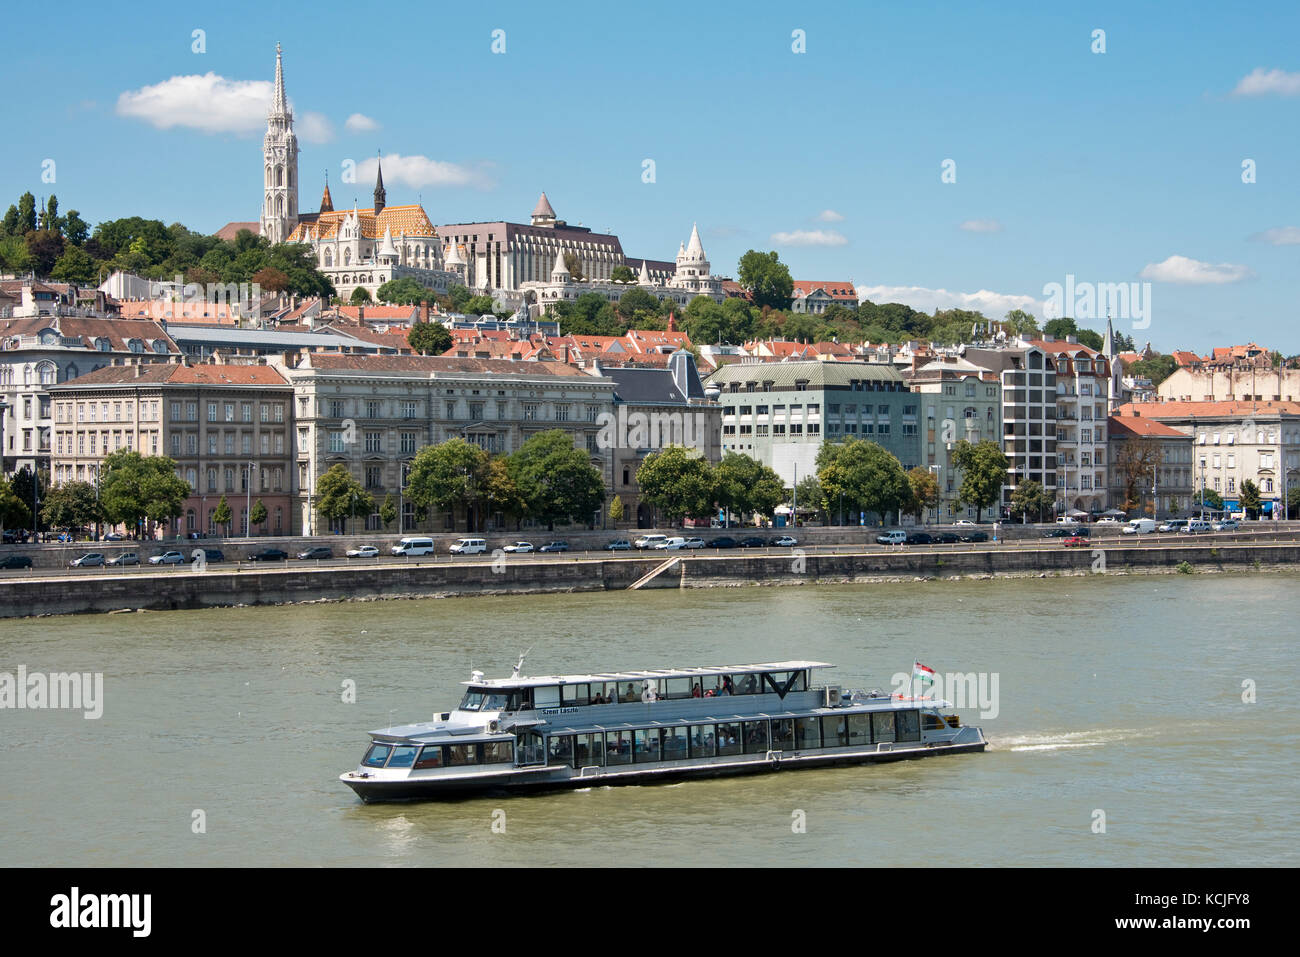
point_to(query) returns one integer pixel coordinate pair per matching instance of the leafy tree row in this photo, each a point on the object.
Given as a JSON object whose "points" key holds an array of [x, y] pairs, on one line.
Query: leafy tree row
{"points": [[682, 484]]}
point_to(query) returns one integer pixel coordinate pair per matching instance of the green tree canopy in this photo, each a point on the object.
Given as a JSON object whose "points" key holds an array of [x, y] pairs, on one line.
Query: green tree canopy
{"points": [[557, 480], [406, 291], [1030, 500], [360, 297], [448, 475], [766, 278], [868, 475], [340, 496], [71, 505], [134, 487], [222, 515], [622, 274], [258, 515], [677, 481], [984, 469], [924, 486], [744, 484], [1250, 498], [429, 338]]}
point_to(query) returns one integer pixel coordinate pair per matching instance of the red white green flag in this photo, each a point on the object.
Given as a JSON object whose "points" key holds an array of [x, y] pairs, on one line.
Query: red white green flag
{"points": [[923, 674]]}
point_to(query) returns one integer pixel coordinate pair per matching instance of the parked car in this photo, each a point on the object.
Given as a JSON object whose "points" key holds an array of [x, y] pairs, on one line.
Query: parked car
{"points": [[114, 537], [694, 543], [671, 544], [619, 545], [975, 537], [723, 542], [1077, 541], [363, 551], [1196, 526], [753, 542], [1067, 531], [895, 537], [920, 538], [16, 561], [555, 547], [211, 555], [468, 546], [413, 546], [1139, 526], [88, 560], [121, 561], [649, 541], [947, 538], [269, 555], [1227, 525], [519, 548], [1173, 525], [319, 553], [1067, 520], [1108, 520], [14, 536], [786, 541], [964, 523], [168, 558]]}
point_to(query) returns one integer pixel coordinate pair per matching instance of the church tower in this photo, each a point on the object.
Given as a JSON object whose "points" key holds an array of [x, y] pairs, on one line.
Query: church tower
{"points": [[381, 195], [280, 155]]}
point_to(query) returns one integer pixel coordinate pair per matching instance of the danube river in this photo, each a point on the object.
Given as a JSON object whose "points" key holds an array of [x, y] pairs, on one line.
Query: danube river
{"points": [[1117, 696]]}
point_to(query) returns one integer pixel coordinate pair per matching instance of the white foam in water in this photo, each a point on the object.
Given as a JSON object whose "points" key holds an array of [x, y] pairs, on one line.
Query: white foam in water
{"points": [[1066, 739]]}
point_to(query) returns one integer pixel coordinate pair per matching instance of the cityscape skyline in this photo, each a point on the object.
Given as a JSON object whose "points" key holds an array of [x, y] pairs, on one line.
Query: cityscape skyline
{"points": [[1217, 250]]}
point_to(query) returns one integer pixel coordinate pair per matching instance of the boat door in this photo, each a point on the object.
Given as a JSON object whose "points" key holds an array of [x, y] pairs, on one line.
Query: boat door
{"points": [[529, 749]]}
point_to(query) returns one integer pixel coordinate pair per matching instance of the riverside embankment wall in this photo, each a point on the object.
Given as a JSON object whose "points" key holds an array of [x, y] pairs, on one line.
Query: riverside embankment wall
{"points": [[181, 588]]}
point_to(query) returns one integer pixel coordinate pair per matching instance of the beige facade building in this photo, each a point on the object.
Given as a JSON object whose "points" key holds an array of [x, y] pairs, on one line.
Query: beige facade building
{"points": [[1156, 460]]}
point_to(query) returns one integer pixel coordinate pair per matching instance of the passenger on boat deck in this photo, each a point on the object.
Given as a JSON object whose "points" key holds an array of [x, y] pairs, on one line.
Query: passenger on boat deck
{"points": [[598, 699], [710, 693], [695, 691], [726, 685], [630, 694], [749, 685]]}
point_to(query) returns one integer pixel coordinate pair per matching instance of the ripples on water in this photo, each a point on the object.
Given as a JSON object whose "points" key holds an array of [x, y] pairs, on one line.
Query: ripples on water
{"points": [[1118, 694]]}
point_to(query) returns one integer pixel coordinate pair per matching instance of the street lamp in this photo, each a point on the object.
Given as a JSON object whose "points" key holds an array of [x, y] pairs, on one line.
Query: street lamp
{"points": [[248, 501]]}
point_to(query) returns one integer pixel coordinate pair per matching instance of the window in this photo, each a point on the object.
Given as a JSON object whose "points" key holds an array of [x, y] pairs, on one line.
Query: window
{"points": [[530, 411], [562, 413], [230, 412], [755, 737], [729, 739], [372, 408], [336, 442], [408, 410], [374, 442], [882, 726], [246, 412], [408, 443]]}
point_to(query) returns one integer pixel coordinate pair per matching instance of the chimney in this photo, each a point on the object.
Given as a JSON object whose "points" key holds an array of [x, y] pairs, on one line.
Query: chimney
{"points": [[424, 311], [361, 313]]}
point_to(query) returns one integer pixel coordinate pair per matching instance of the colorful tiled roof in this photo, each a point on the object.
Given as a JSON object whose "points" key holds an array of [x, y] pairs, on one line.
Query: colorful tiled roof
{"points": [[411, 220]]}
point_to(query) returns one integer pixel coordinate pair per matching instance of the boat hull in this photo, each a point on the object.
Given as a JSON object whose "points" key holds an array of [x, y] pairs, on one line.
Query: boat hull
{"points": [[524, 781]]}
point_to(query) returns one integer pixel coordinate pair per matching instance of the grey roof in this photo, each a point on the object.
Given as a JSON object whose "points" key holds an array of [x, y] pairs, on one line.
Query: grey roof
{"points": [[268, 338], [641, 386], [817, 374]]}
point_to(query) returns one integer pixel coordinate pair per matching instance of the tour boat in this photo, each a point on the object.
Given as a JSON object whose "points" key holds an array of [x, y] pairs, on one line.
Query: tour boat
{"points": [[639, 727]]}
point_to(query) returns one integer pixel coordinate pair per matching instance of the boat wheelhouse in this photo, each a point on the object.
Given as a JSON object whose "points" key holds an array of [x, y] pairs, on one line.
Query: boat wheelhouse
{"points": [[634, 727]]}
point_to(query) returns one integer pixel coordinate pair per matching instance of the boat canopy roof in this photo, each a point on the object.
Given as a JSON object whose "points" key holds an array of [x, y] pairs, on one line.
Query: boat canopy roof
{"points": [[532, 681]]}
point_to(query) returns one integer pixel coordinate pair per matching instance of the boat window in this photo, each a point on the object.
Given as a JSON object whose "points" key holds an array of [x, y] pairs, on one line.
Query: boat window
{"points": [[590, 750], [629, 693], [498, 752], [678, 688], [835, 731], [461, 754], [575, 695], [702, 741], [783, 735], [546, 697], [606, 693], [403, 756], [807, 733], [559, 749], [645, 745], [883, 725], [755, 737], [784, 682], [748, 684], [859, 728], [530, 748], [618, 747], [932, 722], [709, 685], [430, 757], [729, 739], [471, 701], [376, 756], [909, 726], [725, 685], [498, 701], [674, 742]]}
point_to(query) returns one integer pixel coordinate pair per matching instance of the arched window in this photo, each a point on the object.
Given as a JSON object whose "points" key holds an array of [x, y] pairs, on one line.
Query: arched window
{"points": [[329, 258], [347, 257], [268, 174], [279, 176], [47, 373]]}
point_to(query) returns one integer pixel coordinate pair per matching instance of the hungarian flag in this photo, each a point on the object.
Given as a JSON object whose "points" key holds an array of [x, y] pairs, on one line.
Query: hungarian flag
{"points": [[923, 674]]}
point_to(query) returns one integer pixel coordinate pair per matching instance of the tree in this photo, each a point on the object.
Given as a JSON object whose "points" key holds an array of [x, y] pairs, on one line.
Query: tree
{"points": [[480, 306], [679, 483], [1211, 499], [75, 265], [258, 515], [616, 505], [622, 274], [75, 229], [429, 338], [270, 279], [1135, 463], [574, 265], [448, 476], [134, 487], [591, 314], [635, 301], [30, 491], [1021, 323], [1250, 500], [557, 480], [808, 494], [984, 469], [1060, 328], [1158, 368], [500, 492], [925, 490], [73, 505], [744, 484], [766, 279], [1292, 501], [222, 515], [388, 511], [404, 292], [867, 475], [339, 496], [14, 256], [14, 513], [45, 246], [26, 214], [1030, 498], [1093, 340], [360, 297]]}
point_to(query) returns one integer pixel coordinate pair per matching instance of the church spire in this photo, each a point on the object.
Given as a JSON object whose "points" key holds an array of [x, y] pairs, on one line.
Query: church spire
{"points": [[280, 164], [279, 105], [381, 197], [327, 201]]}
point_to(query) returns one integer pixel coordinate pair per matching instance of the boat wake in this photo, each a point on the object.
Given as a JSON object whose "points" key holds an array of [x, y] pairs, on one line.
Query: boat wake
{"points": [[1096, 738]]}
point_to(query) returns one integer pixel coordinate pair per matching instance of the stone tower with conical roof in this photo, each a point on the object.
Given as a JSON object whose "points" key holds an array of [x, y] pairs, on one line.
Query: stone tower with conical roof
{"points": [[280, 159], [326, 200], [381, 196], [543, 214]]}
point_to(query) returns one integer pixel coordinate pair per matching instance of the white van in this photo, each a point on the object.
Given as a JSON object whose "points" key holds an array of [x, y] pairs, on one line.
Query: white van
{"points": [[1140, 526], [896, 537], [1197, 526], [650, 541], [414, 546], [468, 546], [671, 544]]}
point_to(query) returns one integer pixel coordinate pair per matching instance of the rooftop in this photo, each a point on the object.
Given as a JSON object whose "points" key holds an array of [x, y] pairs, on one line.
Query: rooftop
{"points": [[531, 681]]}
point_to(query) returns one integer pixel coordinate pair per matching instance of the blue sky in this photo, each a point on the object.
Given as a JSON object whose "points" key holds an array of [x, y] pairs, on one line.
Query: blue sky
{"points": [[1122, 166]]}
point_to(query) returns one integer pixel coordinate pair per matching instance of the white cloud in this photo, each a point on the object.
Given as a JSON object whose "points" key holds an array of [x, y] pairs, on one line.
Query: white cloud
{"points": [[1261, 82], [830, 216], [1279, 236], [315, 128], [210, 103], [360, 123], [981, 226], [1193, 272], [810, 237], [995, 305], [419, 171]]}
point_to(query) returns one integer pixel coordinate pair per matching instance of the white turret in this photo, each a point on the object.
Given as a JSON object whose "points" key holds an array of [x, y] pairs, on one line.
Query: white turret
{"points": [[561, 272], [644, 278], [386, 249]]}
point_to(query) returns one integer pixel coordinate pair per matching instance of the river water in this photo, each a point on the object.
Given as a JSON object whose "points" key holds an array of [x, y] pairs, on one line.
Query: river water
{"points": [[1118, 695]]}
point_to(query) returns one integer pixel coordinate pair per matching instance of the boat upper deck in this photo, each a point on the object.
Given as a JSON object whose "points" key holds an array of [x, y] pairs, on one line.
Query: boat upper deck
{"points": [[533, 681]]}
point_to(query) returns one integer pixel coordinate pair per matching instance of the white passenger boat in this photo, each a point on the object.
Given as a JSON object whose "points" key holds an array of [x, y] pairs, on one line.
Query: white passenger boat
{"points": [[636, 727]]}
